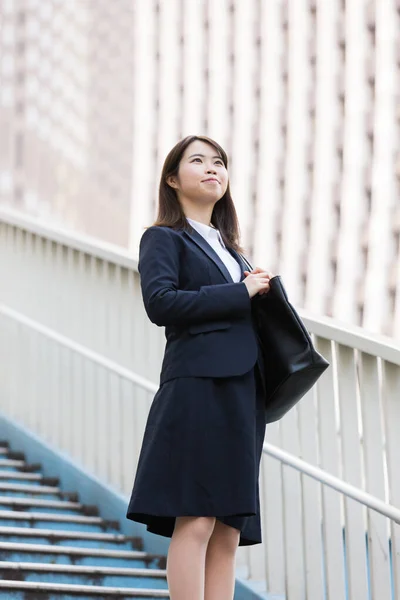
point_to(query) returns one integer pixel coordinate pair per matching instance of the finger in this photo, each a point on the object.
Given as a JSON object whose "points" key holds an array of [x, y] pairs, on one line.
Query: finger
{"points": [[270, 275]]}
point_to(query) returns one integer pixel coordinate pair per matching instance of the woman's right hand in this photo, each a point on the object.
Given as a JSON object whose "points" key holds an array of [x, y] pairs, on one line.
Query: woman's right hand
{"points": [[255, 282]]}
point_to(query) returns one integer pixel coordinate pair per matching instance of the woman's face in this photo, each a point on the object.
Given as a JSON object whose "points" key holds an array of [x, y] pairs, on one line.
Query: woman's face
{"points": [[199, 162]]}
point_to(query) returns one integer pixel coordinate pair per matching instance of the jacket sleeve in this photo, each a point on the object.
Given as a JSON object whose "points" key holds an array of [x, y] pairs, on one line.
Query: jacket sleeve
{"points": [[165, 304]]}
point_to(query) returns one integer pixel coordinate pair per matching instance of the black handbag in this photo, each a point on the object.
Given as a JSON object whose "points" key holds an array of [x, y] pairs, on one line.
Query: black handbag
{"points": [[291, 363]]}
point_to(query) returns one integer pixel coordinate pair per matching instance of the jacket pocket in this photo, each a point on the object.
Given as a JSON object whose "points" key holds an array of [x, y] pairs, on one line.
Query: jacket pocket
{"points": [[209, 326]]}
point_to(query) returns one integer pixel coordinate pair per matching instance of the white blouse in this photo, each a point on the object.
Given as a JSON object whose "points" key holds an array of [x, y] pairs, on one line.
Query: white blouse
{"points": [[213, 237]]}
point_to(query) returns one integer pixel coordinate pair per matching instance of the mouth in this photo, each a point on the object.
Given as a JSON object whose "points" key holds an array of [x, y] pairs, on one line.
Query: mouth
{"points": [[209, 180]]}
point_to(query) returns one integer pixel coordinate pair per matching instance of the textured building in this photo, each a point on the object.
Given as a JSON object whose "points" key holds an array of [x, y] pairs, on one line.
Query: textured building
{"points": [[66, 112], [303, 94]]}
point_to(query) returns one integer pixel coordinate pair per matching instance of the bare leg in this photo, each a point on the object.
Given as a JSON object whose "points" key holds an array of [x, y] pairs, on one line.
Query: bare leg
{"points": [[220, 563], [186, 557]]}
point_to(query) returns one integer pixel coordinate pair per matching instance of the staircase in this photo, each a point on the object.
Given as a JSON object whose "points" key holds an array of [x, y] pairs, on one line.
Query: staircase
{"points": [[53, 547]]}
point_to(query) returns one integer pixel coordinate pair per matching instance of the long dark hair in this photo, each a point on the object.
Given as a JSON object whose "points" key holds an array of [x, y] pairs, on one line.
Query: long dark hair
{"points": [[170, 211]]}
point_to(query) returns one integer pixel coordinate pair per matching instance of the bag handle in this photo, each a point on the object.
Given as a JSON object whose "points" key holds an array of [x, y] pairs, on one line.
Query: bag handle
{"points": [[247, 262], [277, 277]]}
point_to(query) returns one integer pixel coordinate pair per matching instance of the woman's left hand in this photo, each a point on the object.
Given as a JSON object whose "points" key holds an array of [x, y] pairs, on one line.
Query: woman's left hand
{"points": [[259, 270]]}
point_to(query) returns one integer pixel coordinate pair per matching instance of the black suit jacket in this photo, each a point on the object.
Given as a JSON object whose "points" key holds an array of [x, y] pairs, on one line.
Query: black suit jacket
{"points": [[208, 318]]}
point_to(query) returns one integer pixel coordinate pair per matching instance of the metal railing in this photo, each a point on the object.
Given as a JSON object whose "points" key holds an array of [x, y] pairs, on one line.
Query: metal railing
{"points": [[73, 328]]}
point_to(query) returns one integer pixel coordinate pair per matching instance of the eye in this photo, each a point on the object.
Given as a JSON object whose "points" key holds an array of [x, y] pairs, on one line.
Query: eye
{"points": [[219, 161]]}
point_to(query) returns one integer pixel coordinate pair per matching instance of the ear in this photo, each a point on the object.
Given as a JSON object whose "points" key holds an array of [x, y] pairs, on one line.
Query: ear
{"points": [[171, 182]]}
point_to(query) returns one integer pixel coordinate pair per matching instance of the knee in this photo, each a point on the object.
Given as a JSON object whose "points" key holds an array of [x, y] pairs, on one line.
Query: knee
{"points": [[225, 538], [200, 528]]}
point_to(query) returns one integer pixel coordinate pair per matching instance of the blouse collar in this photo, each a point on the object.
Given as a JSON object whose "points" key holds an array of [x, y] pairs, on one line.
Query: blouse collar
{"points": [[206, 231]]}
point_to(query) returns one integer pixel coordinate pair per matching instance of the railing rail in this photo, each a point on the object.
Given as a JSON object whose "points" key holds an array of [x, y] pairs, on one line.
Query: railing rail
{"points": [[274, 451], [95, 357], [325, 327], [335, 483]]}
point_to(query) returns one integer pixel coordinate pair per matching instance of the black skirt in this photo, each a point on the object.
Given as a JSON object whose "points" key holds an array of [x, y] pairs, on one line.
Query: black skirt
{"points": [[201, 453]]}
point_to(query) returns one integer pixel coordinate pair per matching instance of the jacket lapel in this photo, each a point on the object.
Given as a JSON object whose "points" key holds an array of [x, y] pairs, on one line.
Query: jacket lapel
{"points": [[242, 264], [198, 239]]}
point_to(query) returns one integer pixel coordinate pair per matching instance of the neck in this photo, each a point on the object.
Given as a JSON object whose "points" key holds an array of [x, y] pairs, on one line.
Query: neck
{"points": [[203, 221], [199, 213]]}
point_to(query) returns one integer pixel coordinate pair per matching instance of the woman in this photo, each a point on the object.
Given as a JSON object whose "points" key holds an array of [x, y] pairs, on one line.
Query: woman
{"points": [[197, 474]]}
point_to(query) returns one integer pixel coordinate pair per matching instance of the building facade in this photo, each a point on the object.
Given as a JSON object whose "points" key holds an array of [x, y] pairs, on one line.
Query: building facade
{"points": [[304, 95]]}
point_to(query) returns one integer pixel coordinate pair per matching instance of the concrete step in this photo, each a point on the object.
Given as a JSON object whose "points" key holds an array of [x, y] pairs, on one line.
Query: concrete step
{"points": [[13, 518], [50, 591], [17, 551], [18, 466], [12, 476], [7, 453], [31, 489], [60, 536], [108, 576], [13, 454], [23, 490], [40, 503], [9, 462]]}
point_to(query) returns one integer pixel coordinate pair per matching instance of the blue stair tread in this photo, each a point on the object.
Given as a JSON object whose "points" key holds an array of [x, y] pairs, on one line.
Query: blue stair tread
{"points": [[68, 541], [84, 589], [38, 523], [56, 517], [33, 479], [66, 536], [39, 502], [78, 574], [84, 560], [33, 488], [38, 566], [54, 547], [74, 550]]}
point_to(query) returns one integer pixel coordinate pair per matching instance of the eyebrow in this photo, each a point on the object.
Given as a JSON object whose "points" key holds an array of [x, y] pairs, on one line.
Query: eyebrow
{"points": [[191, 156]]}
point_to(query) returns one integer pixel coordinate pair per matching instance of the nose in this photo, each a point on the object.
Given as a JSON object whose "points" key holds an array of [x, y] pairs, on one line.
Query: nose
{"points": [[211, 170]]}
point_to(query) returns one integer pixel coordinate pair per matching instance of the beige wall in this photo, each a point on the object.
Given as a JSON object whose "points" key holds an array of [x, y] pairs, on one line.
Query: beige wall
{"points": [[304, 96]]}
